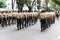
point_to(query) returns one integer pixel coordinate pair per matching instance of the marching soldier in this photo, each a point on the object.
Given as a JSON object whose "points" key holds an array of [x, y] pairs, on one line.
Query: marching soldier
{"points": [[13, 18], [32, 18], [25, 20], [1, 18], [18, 21], [43, 22], [47, 19], [9, 18], [4, 21], [35, 17], [29, 19], [22, 20]]}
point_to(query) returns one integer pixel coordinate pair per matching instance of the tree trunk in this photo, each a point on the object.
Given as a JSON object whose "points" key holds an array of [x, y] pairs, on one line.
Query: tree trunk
{"points": [[46, 1], [30, 9]]}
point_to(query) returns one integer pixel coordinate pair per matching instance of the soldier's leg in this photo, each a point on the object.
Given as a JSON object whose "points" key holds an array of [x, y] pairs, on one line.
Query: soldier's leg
{"points": [[9, 21], [27, 22], [2, 24], [50, 21], [32, 20], [36, 18], [12, 20], [22, 23], [42, 25], [6, 23], [18, 24], [53, 19], [46, 23], [0, 20]]}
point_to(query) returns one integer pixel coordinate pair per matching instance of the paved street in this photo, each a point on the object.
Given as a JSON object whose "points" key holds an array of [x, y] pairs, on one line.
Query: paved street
{"points": [[31, 33]]}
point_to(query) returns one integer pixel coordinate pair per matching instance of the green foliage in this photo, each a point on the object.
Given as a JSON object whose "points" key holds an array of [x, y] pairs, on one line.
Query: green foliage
{"points": [[56, 4], [2, 5], [20, 3]]}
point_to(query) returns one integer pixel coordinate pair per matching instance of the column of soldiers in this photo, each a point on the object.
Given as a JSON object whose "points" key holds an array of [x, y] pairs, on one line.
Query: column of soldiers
{"points": [[5, 19], [26, 19], [47, 19], [22, 20]]}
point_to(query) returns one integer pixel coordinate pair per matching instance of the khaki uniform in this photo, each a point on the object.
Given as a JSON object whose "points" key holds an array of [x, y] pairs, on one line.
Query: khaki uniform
{"points": [[1, 18], [4, 22], [9, 18], [47, 19]]}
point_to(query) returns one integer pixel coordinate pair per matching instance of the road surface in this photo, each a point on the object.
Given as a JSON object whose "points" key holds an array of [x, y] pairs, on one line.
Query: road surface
{"points": [[31, 33]]}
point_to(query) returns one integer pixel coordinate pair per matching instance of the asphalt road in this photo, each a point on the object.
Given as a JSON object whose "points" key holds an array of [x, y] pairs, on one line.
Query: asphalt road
{"points": [[31, 33]]}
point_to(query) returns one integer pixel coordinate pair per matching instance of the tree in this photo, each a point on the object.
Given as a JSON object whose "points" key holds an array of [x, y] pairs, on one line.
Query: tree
{"points": [[47, 8], [2, 4], [12, 4], [20, 4], [30, 5], [56, 4]]}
